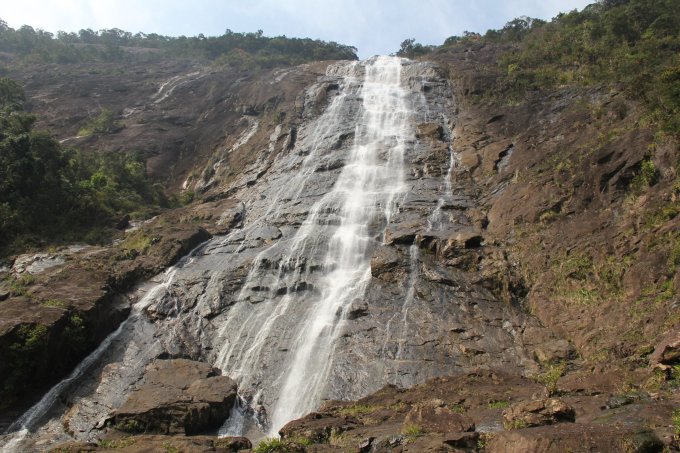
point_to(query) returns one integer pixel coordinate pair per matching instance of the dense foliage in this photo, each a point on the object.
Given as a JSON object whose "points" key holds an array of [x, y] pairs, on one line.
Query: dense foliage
{"points": [[410, 49], [633, 44], [248, 50], [53, 193]]}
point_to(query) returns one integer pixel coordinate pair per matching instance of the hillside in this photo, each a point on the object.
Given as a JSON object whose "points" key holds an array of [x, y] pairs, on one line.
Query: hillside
{"points": [[500, 275]]}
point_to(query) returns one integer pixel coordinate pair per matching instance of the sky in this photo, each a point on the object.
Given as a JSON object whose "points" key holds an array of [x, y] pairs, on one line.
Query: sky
{"points": [[373, 26]]}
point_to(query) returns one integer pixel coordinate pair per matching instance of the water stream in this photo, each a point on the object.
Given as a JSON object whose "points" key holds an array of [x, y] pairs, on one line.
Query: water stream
{"points": [[270, 304]]}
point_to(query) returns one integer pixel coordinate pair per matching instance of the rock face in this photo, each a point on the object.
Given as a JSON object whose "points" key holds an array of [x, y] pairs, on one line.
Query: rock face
{"points": [[489, 237], [177, 397], [577, 438], [465, 413]]}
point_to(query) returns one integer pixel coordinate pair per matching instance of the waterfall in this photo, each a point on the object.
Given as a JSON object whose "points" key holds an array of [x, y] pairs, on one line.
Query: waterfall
{"points": [[341, 228], [274, 304]]}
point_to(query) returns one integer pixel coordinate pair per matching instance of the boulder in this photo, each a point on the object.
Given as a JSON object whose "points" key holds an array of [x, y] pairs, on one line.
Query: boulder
{"points": [[554, 351], [435, 417], [384, 259], [177, 397], [316, 427], [461, 240], [537, 413], [402, 233], [432, 131], [667, 352]]}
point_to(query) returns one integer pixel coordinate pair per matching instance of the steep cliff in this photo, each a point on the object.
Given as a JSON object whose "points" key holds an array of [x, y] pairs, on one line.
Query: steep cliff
{"points": [[387, 224]]}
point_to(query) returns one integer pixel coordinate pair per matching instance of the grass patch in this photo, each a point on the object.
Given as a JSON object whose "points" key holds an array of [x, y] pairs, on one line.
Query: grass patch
{"points": [[499, 404], [274, 445], [19, 285], [130, 426], [54, 303], [515, 424], [103, 123], [116, 443], [138, 243], [412, 432], [357, 410], [458, 408], [675, 418], [550, 377], [398, 407]]}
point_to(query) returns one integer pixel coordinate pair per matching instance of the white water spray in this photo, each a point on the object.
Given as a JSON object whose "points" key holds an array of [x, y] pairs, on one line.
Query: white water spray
{"points": [[340, 230]]}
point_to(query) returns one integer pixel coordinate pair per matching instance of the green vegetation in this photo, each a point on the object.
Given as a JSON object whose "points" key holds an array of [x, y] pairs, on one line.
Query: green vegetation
{"points": [[28, 344], [52, 193], [412, 432], [458, 408], [582, 280], [169, 448], [550, 377], [241, 50], [515, 424], [274, 445], [138, 243], [103, 123], [116, 443], [357, 410], [632, 44], [411, 49], [130, 425], [56, 303], [646, 176], [19, 285], [676, 423], [499, 404]]}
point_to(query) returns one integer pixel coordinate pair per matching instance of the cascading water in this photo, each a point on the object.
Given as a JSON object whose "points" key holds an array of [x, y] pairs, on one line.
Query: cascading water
{"points": [[291, 305], [341, 227]]}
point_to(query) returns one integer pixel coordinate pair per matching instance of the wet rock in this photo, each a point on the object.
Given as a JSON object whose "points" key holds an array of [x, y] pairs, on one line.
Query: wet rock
{"points": [[537, 413], [577, 438], [431, 131], [459, 241], [384, 259], [404, 233], [265, 233], [357, 310], [177, 397], [435, 417], [36, 263]]}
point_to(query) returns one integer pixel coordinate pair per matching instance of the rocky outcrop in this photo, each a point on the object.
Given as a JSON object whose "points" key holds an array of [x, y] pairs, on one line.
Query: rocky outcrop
{"points": [[435, 417], [467, 413], [537, 413], [576, 438], [151, 443], [177, 397], [667, 352], [558, 175], [54, 315]]}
